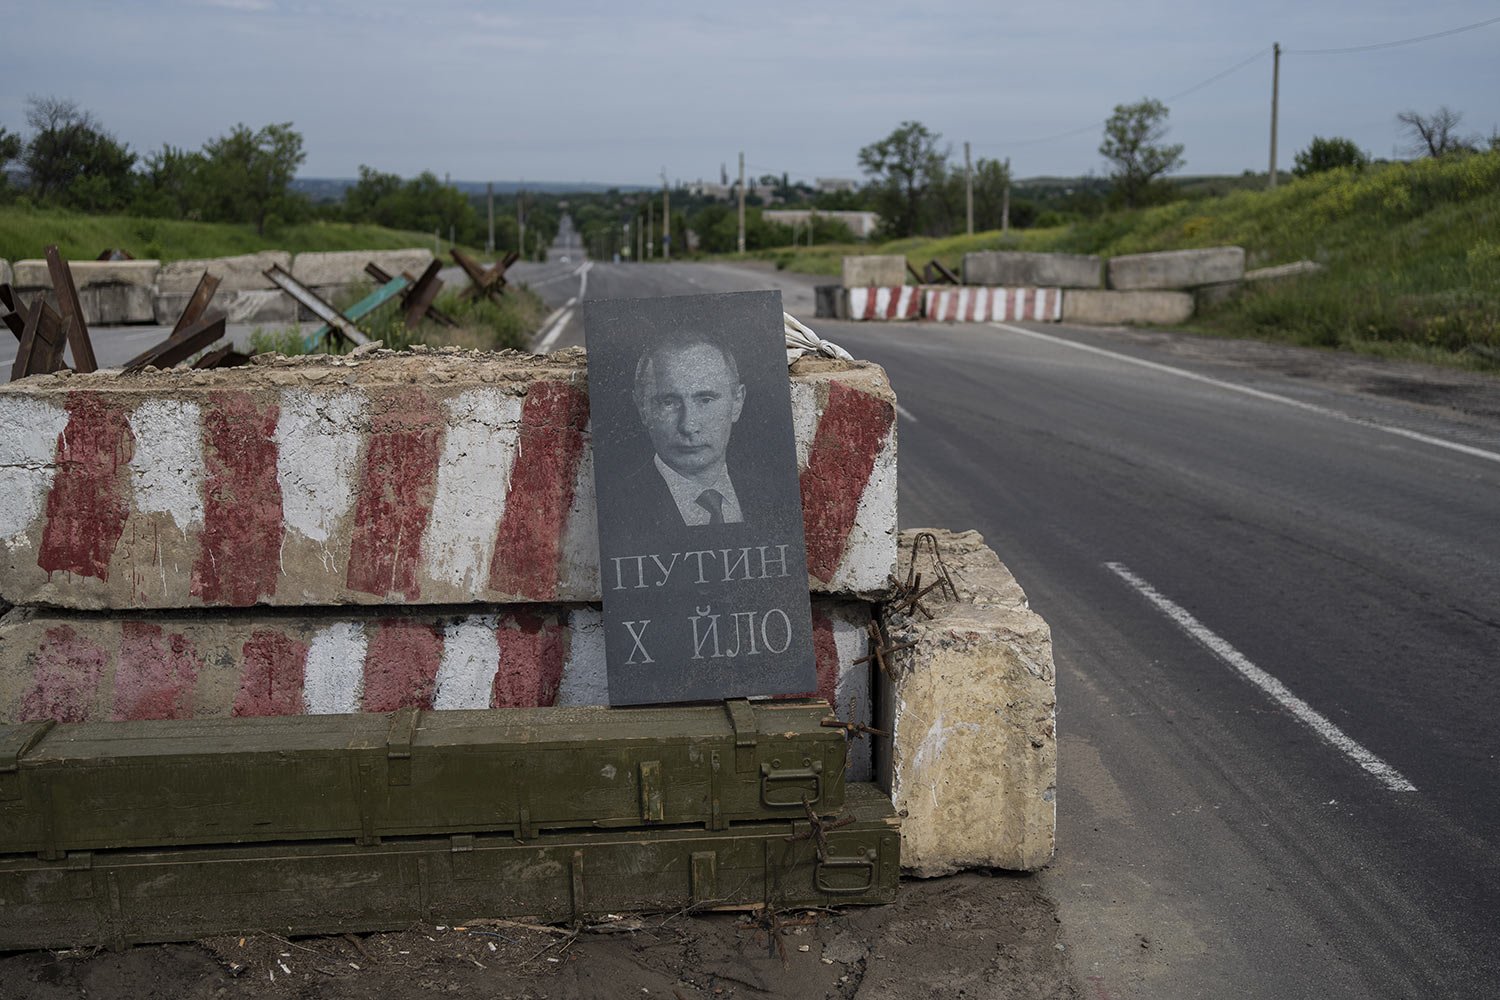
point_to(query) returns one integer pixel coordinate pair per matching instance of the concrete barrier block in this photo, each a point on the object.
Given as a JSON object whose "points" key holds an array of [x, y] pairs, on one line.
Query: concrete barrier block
{"points": [[77, 668], [347, 267], [7, 275], [945, 303], [1177, 269], [33, 274], [862, 271], [258, 307], [236, 274], [106, 305], [422, 478], [829, 302], [1013, 268], [971, 710], [1111, 308], [893, 302]]}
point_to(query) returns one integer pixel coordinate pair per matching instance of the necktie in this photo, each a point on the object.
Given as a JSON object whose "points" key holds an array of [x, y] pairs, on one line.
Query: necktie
{"points": [[713, 502]]}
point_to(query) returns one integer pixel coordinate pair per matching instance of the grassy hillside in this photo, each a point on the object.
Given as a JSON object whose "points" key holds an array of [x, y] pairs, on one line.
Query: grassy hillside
{"points": [[1412, 252], [25, 232]]}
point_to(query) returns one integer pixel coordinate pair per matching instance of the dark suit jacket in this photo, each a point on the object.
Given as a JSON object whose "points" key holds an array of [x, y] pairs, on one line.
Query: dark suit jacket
{"points": [[652, 505]]}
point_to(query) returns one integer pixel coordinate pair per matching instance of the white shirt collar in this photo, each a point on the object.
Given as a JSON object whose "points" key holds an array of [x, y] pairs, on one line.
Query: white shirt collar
{"points": [[685, 492]]}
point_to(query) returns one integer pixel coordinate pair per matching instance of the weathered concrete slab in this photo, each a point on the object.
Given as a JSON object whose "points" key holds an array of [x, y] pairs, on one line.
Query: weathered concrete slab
{"points": [[106, 305], [33, 274], [78, 668], [1110, 308], [947, 304], [971, 709], [1177, 269], [236, 274], [423, 478], [862, 271], [348, 267], [1014, 268], [264, 307], [7, 275]]}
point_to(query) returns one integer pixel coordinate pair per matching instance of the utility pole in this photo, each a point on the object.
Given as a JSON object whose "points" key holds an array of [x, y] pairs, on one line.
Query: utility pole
{"points": [[489, 189], [650, 230], [1005, 201], [969, 187], [1275, 95], [521, 219], [666, 218], [742, 203]]}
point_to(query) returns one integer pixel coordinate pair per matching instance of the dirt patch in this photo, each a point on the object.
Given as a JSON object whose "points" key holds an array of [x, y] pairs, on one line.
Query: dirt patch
{"points": [[969, 935]]}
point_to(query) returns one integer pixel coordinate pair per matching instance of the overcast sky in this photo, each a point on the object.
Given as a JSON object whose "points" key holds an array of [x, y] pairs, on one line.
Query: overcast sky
{"points": [[617, 91]]}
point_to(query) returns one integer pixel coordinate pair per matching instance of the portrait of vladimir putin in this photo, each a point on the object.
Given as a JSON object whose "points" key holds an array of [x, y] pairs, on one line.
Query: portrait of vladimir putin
{"points": [[689, 396]]}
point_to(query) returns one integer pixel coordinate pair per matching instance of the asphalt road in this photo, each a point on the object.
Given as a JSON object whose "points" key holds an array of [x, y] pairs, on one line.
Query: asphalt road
{"points": [[1275, 599]]}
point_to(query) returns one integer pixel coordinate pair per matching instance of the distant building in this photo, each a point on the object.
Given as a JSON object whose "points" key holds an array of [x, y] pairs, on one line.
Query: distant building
{"points": [[707, 189], [835, 185], [861, 224]]}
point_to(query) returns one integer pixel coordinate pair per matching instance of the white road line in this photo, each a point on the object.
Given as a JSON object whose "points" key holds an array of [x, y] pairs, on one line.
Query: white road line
{"points": [[554, 330], [1387, 775], [1258, 393], [905, 414]]}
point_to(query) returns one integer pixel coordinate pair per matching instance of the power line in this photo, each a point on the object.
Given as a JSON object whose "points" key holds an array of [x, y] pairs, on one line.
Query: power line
{"points": [[1094, 126], [1392, 45]]}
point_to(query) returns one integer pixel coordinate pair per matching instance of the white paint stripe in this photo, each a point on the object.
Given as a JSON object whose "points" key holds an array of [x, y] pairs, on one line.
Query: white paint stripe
{"points": [[870, 548], [471, 658], [859, 298], [1387, 775], [1259, 394], [804, 418], [551, 333], [852, 689], [882, 301], [583, 680], [583, 278], [318, 440], [579, 573], [29, 429], [166, 472], [334, 680], [473, 476]]}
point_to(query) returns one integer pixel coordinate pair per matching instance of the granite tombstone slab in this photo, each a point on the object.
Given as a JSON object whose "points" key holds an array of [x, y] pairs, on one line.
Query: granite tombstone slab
{"points": [[702, 558]]}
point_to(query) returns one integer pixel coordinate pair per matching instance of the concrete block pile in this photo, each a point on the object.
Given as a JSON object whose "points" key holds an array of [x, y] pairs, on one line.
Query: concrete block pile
{"points": [[1007, 286], [322, 534], [147, 291]]}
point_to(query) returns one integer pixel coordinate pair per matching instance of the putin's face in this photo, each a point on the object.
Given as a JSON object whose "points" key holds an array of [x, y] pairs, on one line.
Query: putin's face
{"points": [[689, 403]]}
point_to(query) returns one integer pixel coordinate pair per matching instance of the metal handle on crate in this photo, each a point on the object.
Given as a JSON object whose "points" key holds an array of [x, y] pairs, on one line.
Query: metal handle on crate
{"points": [[769, 773], [867, 861]]}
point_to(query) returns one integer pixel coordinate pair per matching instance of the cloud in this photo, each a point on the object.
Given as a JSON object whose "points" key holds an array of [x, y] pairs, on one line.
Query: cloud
{"points": [[244, 6]]}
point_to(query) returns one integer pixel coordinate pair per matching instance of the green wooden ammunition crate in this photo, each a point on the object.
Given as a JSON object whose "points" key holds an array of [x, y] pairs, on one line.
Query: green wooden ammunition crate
{"points": [[104, 786], [118, 898]]}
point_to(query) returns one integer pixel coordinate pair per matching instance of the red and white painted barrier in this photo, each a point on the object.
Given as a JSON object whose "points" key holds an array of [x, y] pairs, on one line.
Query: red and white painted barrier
{"points": [[405, 480], [79, 669], [976, 304], [885, 302]]}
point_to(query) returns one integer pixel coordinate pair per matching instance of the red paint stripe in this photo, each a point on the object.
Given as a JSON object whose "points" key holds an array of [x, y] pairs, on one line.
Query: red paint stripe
{"points": [[395, 496], [1010, 305], [88, 502], [401, 665], [1025, 306], [271, 680], [155, 674], [239, 558], [65, 678], [870, 303], [839, 463], [826, 652], [548, 450], [952, 308], [531, 662], [893, 304]]}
